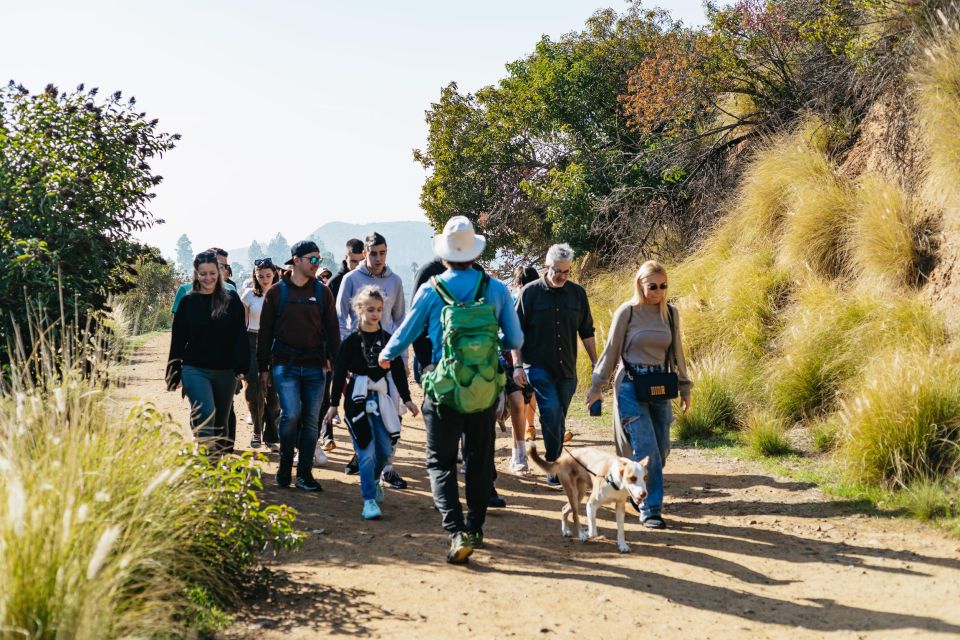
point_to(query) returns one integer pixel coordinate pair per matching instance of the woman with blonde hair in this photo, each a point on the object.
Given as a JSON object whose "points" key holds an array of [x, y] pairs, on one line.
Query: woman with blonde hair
{"points": [[644, 346]]}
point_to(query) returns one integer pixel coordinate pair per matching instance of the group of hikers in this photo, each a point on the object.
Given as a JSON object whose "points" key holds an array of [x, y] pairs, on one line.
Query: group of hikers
{"points": [[307, 343]]}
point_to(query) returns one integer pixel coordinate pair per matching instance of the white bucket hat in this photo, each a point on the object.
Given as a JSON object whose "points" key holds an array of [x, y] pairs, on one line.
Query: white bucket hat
{"points": [[458, 242]]}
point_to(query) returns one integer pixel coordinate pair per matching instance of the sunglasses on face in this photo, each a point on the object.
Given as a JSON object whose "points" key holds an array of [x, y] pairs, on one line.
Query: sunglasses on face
{"points": [[313, 259], [263, 262], [653, 286]]}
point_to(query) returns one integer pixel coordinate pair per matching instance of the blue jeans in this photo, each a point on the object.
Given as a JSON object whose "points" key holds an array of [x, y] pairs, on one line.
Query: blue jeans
{"points": [[210, 392], [374, 457], [553, 400], [647, 425], [301, 394]]}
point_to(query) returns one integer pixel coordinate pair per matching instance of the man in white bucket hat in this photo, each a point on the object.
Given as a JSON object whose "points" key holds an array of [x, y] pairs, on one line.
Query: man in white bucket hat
{"points": [[458, 246]]}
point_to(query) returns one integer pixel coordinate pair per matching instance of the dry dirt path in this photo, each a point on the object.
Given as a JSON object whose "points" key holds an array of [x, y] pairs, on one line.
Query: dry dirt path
{"points": [[747, 555]]}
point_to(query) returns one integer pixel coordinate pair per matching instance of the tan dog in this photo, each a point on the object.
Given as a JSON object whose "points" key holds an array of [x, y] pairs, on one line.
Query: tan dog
{"points": [[607, 477]]}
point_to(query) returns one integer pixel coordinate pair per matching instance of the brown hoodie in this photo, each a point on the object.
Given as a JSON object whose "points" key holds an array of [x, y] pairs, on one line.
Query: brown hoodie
{"points": [[307, 328]]}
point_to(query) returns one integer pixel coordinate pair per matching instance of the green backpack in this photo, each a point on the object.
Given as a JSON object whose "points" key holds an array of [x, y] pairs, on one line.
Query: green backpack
{"points": [[469, 377]]}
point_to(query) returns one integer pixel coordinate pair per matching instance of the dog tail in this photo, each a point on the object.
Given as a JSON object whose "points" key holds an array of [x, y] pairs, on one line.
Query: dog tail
{"points": [[549, 467]]}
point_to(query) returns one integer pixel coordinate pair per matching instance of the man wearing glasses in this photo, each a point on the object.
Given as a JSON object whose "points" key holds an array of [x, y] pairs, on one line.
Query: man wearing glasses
{"points": [[299, 335], [553, 311]]}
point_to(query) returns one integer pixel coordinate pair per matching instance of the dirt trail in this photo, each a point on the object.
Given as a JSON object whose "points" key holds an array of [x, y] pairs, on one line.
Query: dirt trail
{"points": [[747, 555]]}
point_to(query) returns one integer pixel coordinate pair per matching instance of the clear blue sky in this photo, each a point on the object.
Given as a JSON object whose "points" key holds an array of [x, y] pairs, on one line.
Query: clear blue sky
{"points": [[293, 113]]}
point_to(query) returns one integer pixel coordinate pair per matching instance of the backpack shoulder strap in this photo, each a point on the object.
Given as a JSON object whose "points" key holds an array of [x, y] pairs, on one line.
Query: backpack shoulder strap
{"points": [[320, 296], [481, 291], [442, 291], [672, 349], [284, 294]]}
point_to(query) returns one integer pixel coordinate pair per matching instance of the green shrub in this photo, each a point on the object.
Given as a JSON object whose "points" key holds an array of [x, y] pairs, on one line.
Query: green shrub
{"points": [[714, 403], [765, 434], [903, 424], [929, 500], [825, 434]]}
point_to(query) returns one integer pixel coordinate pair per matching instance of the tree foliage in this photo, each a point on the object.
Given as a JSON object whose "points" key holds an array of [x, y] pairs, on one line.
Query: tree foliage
{"points": [[75, 186], [184, 254]]}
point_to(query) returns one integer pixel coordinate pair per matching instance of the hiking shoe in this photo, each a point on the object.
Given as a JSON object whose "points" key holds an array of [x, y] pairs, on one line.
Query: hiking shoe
{"points": [[308, 484], [653, 522], [319, 457], [568, 436], [495, 501], [393, 479], [274, 446], [353, 467], [283, 479], [371, 510], [460, 548], [552, 482], [329, 445], [379, 497], [531, 433], [476, 539], [255, 442]]}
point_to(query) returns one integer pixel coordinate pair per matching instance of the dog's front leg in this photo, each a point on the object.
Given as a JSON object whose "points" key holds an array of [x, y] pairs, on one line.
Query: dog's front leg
{"points": [[621, 542], [592, 506]]}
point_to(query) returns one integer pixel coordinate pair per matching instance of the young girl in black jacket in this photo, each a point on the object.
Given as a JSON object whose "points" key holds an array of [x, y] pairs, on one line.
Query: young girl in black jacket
{"points": [[370, 413]]}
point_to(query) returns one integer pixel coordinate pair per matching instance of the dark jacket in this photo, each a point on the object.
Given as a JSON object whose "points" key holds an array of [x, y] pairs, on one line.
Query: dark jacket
{"points": [[352, 359], [551, 320], [306, 333], [335, 281], [198, 340]]}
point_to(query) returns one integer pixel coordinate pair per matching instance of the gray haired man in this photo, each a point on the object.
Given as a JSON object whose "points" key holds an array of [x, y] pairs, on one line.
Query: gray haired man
{"points": [[553, 311]]}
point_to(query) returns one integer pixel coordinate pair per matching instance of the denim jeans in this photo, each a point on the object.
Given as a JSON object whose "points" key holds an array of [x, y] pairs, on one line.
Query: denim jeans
{"points": [[445, 427], [301, 394], [647, 425], [553, 399], [373, 457], [210, 392]]}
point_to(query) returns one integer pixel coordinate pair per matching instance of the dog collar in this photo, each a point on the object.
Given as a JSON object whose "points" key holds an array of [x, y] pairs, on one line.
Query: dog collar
{"points": [[612, 481]]}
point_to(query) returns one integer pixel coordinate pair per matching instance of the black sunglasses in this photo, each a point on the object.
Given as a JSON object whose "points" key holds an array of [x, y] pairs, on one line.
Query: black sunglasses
{"points": [[653, 286], [312, 259], [263, 262]]}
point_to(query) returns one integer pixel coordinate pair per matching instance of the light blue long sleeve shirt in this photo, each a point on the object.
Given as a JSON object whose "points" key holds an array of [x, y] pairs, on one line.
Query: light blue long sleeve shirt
{"points": [[427, 306]]}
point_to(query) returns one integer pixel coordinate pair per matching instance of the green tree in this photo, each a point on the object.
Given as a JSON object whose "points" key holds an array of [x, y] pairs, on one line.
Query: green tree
{"points": [[184, 254], [75, 185], [279, 249], [255, 251], [326, 256], [148, 302]]}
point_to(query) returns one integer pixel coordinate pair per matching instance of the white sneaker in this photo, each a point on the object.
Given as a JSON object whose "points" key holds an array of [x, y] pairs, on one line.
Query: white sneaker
{"points": [[319, 457], [518, 466]]}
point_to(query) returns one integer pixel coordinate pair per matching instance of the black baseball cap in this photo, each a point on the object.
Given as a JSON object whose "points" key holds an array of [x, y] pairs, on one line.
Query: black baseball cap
{"points": [[301, 249]]}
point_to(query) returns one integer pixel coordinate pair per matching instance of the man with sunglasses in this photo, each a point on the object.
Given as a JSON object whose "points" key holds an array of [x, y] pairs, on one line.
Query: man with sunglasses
{"points": [[299, 335], [553, 311]]}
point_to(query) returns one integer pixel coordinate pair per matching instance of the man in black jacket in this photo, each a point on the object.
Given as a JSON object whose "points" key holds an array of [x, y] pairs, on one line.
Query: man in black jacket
{"points": [[354, 256]]}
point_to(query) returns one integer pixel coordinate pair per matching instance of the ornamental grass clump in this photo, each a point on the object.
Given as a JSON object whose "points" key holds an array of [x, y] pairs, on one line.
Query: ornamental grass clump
{"points": [[109, 519], [714, 403], [764, 433], [903, 424]]}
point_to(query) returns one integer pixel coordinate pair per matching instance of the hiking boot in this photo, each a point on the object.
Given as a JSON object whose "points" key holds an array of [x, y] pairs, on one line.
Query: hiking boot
{"points": [[283, 479], [255, 442], [461, 546], [371, 510], [379, 497], [476, 539], [393, 479], [308, 484], [531, 433], [329, 445], [495, 501], [653, 522], [553, 482], [274, 447]]}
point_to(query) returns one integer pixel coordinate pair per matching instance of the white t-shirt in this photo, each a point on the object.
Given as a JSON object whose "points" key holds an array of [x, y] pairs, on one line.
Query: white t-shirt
{"points": [[254, 305]]}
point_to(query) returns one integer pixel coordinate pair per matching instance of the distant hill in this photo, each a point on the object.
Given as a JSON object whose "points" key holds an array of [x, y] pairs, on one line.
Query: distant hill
{"points": [[409, 243]]}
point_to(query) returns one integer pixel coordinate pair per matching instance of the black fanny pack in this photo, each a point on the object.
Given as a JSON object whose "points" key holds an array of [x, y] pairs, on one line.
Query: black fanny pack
{"points": [[293, 355], [654, 383]]}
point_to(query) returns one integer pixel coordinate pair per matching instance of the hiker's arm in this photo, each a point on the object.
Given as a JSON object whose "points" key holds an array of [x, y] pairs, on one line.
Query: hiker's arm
{"points": [[399, 373], [331, 325], [411, 327], [399, 307], [587, 331], [343, 306], [265, 333], [610, 357]]}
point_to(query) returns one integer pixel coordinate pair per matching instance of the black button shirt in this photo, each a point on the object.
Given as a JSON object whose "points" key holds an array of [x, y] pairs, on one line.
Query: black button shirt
{"points": [[551, 320]]}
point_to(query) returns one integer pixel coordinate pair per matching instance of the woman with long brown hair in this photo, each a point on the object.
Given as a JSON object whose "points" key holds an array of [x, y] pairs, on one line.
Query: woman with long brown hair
{"points": [[644, 342], [209, 352], [262, 401]]}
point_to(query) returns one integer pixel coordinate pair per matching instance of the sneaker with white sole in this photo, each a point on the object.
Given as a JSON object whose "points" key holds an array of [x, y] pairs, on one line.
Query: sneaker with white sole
{"points": [[371, 510], [518, 465], [393, 479], [319, 457]]}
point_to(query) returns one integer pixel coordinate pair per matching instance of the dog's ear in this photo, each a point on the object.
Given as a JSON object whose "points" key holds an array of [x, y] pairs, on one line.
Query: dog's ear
{"points": [[645, 461]]}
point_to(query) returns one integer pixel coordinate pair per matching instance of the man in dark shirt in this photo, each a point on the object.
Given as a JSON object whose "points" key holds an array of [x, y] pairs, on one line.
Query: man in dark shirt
{"points": [[356, 252], [553, 311], [295, 345]]}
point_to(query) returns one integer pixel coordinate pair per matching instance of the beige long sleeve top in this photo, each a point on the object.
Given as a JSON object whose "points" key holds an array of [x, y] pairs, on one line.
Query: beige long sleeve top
{"points": [[642, 339]]}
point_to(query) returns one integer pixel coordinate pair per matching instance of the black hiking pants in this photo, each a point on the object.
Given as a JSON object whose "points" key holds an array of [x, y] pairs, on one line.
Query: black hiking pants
{"points": [[445, 427]]}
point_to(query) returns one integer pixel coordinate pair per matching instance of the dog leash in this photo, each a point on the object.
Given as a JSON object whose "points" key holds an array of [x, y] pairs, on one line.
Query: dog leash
{"points": [[609, 477]]}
